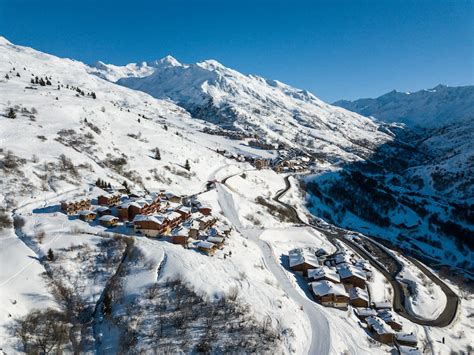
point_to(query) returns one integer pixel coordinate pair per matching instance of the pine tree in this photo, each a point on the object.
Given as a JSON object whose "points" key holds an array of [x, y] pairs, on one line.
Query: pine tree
{"points": [[107, 304], [48, 82], [93, 95], [18, 74], [124, 184], [50, 255], [157, 154], [187, 166], [41, 82], [97, 183], [7, 76], [32, 81], [109, 186], [36, 80], [11, 113]]}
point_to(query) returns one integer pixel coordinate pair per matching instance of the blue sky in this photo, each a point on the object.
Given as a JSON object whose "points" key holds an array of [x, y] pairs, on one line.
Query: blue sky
{"points": [[336, 49]]}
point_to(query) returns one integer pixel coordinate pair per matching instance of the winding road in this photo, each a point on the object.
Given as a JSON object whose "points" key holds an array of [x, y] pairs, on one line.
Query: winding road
{"points": [[452, 300]]}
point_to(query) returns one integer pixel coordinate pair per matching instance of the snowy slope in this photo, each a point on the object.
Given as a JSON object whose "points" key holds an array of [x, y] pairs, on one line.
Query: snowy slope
{"points": [[273, 110], [428, 108]]}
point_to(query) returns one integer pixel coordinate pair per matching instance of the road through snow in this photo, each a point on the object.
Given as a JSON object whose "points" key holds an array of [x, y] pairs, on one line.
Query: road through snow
{"points": [[320, 328]]}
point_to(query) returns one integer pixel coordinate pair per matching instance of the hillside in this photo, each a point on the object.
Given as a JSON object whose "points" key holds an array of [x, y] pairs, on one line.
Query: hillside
{"points": [[94, 286]]}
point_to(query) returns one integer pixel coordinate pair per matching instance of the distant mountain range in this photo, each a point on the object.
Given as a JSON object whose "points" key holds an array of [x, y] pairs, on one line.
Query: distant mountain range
{"points": [[428, 108]]}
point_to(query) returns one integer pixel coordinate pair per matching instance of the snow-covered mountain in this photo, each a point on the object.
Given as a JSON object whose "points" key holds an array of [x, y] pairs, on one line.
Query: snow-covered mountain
{"points": [[268, 108], [430, 108]]}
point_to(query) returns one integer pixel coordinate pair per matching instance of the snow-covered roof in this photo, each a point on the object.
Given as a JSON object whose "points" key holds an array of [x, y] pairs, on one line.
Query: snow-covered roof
{"points": [[215, 239], [300, 256], [358, 293], [172, 215], [205, 244], [107, 218], [388, 316], [102, 209], [184, 209], [347, 271], [408, 350], [180, 231], [155, 218], [341, 258], [379, 326], [323, 288], [409, 337], [365, 312], [324, 272], [85, 212], [382, 305]]}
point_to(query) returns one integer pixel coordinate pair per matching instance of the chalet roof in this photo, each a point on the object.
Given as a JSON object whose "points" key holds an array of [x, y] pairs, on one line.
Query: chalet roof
{"points": [[408, 350], [141, 202], [342, 258], [347, 271], [382, 305], [323, 288], [102, 209], [324, 272], [379, 326], [205, 219], [107, 218], [205, 244], [155, 218], [358, 293], [388, 316], [85, 213], [409, 337], [300, 256], [184, 209], [172, 215], [215, 240], [365, 312], [181, 231]]}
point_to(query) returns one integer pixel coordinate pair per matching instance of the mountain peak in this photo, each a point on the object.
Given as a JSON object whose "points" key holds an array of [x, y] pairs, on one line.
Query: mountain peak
{"points": [[168, 61]]}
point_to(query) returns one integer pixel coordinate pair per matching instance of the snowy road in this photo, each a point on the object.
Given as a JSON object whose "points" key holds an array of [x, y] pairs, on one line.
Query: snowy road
{"points": [[320, 327]]}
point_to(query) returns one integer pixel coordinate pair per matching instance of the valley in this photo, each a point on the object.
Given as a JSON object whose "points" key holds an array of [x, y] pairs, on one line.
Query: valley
{"points": [[157, 205]]}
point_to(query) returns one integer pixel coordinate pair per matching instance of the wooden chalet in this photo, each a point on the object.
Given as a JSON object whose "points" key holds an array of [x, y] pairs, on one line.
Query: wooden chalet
{"points": [[217, 240], [302, 260], [173, 218], [185, 212], [73, 206], [359, 297], [363, 313], [352, 276], [323, 273], [103, 210], [406, 339], [206, 222], [205, 210], [391, 319], [180, 236], [86, 215], [109, 199], [108, 220], [380, 330], [150, 226], [330, 294], [206, 247]]}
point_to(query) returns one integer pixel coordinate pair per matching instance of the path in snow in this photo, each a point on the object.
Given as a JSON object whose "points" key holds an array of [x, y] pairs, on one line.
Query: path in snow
{"points": [[320, 328]]}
